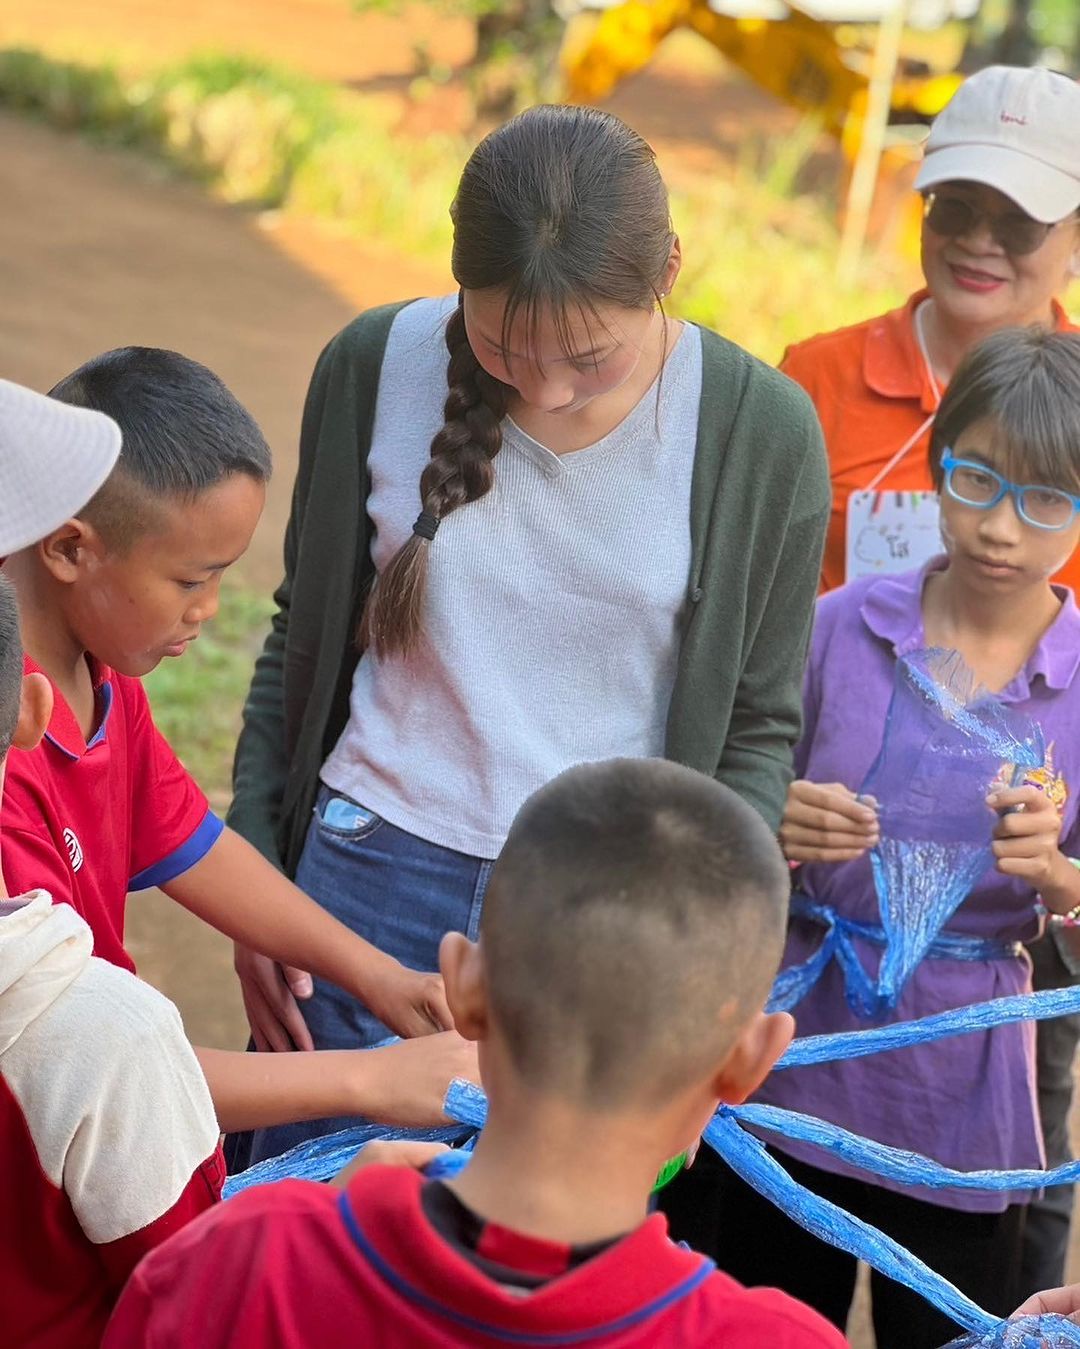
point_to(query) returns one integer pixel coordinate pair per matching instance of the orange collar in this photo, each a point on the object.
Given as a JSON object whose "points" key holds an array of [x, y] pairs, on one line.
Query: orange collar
{"points": [[893, 365]]}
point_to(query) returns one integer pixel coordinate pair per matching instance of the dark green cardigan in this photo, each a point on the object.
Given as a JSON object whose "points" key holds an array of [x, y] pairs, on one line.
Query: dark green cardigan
{"points": [[758, 511]]}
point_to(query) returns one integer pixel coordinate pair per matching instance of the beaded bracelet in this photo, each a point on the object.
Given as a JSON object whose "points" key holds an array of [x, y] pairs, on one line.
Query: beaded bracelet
{"points": [[1069, 919]]}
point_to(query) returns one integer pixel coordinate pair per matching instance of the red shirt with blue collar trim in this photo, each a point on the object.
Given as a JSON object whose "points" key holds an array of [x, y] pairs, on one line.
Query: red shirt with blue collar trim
{"points": [[296, 1264], [91, 820]]}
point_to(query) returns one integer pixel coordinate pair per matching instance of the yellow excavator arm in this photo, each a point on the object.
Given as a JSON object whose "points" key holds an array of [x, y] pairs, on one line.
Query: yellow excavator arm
{"points": [[799, 59]]}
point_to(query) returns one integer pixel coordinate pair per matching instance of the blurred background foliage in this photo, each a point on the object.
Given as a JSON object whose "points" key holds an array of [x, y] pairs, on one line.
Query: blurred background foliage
{"points": [[759, 246]]}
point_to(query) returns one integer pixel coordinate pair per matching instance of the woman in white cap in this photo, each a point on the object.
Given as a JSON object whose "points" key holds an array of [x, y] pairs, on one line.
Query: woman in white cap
{"points": [[53, 458], [1000, 241]]}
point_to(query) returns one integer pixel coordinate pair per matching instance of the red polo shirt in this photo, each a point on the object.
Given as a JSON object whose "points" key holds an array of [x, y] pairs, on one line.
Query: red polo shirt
{"points": [[91, 820], [296, 1264], [871, 391]]}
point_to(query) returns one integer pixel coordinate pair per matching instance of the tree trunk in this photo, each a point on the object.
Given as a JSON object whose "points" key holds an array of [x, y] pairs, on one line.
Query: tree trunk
{"points": [[516, 45], [1017, 45]]}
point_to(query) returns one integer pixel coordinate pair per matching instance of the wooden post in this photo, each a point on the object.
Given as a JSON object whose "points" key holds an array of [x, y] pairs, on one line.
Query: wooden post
{"points": [[860, 197]]}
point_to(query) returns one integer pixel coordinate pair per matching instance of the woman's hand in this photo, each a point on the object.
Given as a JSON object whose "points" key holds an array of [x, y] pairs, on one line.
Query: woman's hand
{"points": [[409, 1002], [270, 992], [826, 822], [1026, 841]]}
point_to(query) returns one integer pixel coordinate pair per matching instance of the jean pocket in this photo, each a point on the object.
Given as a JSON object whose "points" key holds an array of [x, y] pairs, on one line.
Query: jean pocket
{"points": [[345, 818]]}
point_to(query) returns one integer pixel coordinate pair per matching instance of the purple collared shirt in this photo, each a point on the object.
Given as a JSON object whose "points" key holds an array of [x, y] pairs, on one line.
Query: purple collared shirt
{"points": [[968, 1101]]}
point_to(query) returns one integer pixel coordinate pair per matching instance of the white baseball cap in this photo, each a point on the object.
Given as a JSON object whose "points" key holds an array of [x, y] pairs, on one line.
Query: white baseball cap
{"points": [[1014, 129], [53, 458]]}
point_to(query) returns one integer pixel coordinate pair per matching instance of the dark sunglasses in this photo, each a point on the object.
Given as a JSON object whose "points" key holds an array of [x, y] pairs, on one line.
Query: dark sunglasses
{"points": [[1013, 231]]}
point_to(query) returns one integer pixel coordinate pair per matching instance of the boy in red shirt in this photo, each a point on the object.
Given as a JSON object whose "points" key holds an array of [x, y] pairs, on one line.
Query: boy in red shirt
{"points": [[109, 1136], [89, 1056], [103, 805], [630, 936]]}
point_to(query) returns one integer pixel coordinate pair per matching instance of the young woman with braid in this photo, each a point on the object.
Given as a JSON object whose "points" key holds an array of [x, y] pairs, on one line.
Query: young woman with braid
{"points": [[613, 552]]}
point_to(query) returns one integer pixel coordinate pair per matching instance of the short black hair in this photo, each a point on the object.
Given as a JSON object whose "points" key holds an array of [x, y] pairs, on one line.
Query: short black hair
{"points": [[11, 664], [1027, 381], [634, 921], [183, 432]]}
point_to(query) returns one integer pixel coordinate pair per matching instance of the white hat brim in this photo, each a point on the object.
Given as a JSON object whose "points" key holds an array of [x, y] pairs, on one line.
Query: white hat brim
{"points": [[1045, 193], [53, 458]]}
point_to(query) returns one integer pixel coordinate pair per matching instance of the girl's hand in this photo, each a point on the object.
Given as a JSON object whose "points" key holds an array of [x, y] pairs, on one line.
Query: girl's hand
{"points": [[1026, 840], [270, 992], [826, 822], [405, 1083], [410, 1002]]}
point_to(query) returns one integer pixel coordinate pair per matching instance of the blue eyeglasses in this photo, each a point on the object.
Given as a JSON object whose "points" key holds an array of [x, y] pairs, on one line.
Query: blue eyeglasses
{"points": [[974, 484]]}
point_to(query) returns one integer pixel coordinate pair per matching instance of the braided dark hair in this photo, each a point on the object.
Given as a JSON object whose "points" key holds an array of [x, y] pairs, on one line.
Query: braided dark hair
{"points": [[561, 210], [460, 470]]}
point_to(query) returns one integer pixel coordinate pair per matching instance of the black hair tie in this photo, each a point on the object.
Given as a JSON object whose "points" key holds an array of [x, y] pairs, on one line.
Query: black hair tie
{"points": [[426, 525]]}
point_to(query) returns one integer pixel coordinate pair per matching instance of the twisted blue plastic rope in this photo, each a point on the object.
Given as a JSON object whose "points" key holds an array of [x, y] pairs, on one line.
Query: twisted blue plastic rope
{"points": [[323, 1157], [863, 993], [898, 1035]]}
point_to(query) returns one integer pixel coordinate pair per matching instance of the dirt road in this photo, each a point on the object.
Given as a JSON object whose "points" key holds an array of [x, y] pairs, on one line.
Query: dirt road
{"points": [[100, 249]]}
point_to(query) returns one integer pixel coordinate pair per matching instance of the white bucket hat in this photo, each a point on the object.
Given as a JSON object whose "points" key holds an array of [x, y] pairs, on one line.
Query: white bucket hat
{"points": [[1014, 129], [53, 458]]}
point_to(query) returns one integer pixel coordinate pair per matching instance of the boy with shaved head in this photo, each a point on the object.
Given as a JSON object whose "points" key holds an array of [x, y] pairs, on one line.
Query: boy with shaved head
{"points": [[630, 935]]}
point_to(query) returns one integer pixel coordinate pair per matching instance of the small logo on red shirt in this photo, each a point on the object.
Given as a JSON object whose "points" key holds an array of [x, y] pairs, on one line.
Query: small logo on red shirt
{"points": [[1014, 118], [74, 847]]}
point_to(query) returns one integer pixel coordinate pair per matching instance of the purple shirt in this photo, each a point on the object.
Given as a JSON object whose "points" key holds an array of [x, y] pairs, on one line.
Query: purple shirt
{"points": [[967, 1101]]}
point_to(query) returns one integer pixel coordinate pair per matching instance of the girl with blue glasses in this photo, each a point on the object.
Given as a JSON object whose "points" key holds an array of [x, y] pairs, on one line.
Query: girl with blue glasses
{"points": [[1005, 458]]}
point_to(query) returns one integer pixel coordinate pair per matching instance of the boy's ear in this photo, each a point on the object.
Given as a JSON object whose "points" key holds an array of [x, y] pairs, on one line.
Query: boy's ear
{"points": [[35, 709], [461, 964], [760, 1043], [68, 548]]}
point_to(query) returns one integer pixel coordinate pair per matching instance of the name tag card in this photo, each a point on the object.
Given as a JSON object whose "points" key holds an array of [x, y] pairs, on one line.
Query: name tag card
{"points": [[889, 532]]}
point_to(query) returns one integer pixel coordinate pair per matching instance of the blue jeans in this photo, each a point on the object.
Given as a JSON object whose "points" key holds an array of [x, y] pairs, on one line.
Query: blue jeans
{"points": [[400, 893]]}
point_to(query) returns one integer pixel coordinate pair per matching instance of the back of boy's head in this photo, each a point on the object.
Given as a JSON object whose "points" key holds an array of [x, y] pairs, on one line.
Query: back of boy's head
{"points": [[633, 924], [11, 665], [1026, 381], [183, 433]]}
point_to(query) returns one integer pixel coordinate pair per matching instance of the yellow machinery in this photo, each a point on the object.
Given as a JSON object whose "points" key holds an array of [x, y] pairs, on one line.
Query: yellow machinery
{"points": [[802, 60]]}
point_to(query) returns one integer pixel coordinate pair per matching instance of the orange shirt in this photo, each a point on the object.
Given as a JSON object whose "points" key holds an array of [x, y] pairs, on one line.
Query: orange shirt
{"points": [[872, 392]]}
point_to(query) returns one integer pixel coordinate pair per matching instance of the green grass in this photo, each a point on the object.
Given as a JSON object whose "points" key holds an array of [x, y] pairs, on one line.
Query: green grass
{"points": [[761, 270], [255, 134], [197, 698]]}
